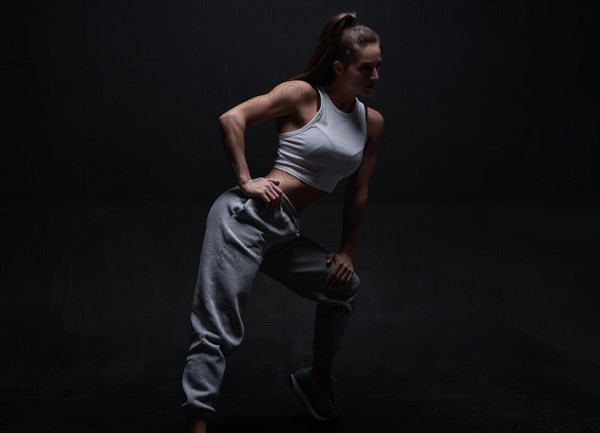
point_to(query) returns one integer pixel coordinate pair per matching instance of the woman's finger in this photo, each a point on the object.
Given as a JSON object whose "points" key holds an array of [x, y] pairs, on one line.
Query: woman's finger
{"points": [[343, 277], [336, 274], [343, 274], [274, 185], [331, 276], [277, 192], [270, 195], [349, 277], [275, 197]]}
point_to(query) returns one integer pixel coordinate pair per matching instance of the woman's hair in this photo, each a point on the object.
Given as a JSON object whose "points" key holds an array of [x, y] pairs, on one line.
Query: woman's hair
{"points": [[340, 39]]}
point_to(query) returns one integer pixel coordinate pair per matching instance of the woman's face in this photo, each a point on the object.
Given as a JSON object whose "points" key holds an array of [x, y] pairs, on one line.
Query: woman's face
{"points": [[362, 72]]}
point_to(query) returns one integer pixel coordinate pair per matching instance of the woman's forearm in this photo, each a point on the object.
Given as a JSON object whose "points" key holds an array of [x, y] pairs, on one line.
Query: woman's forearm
{"points": [[355, 202], [232, 133]]}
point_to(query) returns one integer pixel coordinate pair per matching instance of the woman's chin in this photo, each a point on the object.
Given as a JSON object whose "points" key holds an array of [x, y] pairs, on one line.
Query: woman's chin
{"points": [[367, 90]]}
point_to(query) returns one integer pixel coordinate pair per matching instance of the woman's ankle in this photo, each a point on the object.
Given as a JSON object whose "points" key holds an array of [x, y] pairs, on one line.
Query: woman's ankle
{"points": [[195, 423]]}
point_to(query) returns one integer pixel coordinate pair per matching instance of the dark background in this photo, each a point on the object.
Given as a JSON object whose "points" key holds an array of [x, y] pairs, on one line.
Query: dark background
{"points": [[478, 250], [117, 102]]}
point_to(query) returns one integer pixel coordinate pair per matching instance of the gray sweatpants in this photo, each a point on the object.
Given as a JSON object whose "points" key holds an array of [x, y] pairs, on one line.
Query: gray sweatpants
{"points": [[242, 237]]}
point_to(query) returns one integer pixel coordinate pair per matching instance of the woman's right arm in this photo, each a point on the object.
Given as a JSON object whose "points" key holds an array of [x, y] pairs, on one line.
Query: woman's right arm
{"points": [[281, 100]]}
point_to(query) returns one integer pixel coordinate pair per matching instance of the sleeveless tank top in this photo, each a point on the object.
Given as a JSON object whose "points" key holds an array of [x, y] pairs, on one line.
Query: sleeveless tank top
{"points": [[328, 148]]}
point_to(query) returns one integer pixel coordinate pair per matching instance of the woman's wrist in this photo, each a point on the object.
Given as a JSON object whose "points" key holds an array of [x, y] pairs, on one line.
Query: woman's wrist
{"points": [[243, 182], [348, 253]]}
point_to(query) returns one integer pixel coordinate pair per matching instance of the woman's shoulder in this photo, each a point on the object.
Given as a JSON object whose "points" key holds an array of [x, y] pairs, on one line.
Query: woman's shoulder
{"points": [[374, 121], [297, 90], [374, 117], [298, 84]]}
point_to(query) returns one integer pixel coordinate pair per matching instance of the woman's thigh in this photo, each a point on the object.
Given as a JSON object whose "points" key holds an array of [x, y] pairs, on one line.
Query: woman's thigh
{"points": [[301, 265]]}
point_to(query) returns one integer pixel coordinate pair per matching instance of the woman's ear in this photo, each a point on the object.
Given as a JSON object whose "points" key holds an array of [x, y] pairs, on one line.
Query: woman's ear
{"points": [[338, 67]]}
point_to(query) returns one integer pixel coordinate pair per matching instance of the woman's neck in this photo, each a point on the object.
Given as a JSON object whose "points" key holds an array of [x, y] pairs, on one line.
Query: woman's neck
{"points": [[342, 100]]}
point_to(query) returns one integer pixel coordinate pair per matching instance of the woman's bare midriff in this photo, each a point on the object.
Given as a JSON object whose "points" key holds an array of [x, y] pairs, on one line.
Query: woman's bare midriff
{"points": [[299, 193]]}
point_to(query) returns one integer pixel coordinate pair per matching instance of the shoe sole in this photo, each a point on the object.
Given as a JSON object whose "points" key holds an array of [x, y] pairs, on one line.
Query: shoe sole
{"points": [[305, 401]]}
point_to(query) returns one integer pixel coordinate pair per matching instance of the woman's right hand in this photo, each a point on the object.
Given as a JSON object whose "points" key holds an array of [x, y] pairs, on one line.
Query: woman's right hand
{"points": [[265, 189]]}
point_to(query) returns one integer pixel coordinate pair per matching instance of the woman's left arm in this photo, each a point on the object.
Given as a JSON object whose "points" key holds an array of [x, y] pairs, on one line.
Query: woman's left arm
{"points": [[355, 201]]}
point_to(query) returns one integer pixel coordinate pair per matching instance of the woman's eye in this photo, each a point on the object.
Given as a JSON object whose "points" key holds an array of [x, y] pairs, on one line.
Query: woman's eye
{"points": [[369, 68]]}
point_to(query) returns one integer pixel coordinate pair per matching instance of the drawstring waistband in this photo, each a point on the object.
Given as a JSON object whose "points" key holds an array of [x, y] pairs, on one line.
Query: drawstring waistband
{"points": [[292, 212]]}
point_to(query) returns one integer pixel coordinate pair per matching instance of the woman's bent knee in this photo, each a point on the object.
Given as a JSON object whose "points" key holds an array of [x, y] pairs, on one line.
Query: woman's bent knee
{"points": [[347, 293], [353, 286]]}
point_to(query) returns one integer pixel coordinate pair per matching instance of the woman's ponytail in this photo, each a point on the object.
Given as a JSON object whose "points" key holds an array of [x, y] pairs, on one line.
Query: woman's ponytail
{"points": [[340, 38]]}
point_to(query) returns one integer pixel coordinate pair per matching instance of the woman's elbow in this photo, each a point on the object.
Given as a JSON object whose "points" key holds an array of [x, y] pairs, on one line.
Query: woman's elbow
{"points": [[229, 118], [225, 117]]}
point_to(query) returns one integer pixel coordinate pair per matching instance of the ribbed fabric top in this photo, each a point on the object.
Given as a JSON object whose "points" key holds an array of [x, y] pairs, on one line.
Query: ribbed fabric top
{"points": [[328, 148]]}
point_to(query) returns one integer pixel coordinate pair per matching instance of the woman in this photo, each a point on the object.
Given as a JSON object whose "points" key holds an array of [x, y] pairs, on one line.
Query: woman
{"points": [[325, 134]]}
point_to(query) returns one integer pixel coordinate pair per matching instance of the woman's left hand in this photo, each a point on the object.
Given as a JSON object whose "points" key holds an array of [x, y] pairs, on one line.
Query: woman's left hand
{"points": [[342, 270]]}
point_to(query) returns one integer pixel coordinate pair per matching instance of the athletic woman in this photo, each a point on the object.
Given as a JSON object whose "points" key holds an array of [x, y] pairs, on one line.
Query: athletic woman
{"points": [[325, 134]]}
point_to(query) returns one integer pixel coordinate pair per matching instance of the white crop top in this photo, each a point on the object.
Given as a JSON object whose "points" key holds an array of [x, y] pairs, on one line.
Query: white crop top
{"points": [[328, 148]]}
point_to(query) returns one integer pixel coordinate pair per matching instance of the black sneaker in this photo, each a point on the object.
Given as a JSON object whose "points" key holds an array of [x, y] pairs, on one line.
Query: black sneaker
{"points": [[317, 399]]}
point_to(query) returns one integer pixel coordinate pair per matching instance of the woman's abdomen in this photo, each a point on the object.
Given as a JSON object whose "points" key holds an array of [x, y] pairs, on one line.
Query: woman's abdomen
{"points": [[299, 193]]}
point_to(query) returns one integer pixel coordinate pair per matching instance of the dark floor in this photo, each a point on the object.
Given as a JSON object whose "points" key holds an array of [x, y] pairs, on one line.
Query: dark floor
{"points": [[509, 383], [472, 319]]}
